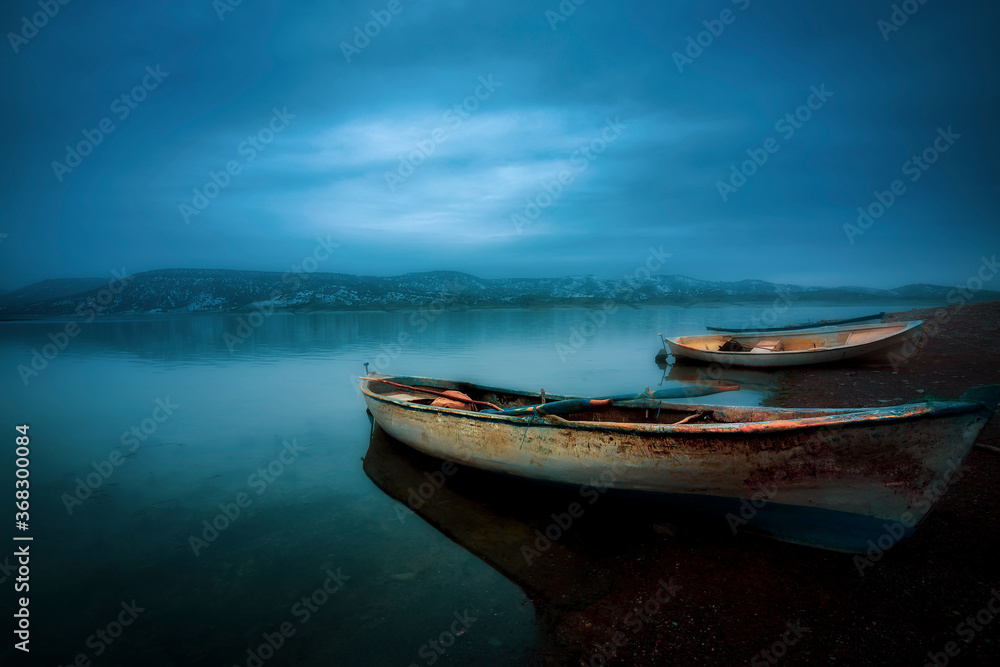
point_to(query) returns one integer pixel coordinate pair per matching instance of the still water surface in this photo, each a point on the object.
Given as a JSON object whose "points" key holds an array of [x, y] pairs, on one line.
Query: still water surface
{"points": [[175, 423]]}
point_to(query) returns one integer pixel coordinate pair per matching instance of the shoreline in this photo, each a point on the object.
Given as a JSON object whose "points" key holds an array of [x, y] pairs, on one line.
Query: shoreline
{"points": [[954, 354], [587, 304], [738, 594]]}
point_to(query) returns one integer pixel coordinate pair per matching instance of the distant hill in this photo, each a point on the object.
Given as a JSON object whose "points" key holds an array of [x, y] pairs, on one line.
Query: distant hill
{"points": [[49, 290], [209, 290]]}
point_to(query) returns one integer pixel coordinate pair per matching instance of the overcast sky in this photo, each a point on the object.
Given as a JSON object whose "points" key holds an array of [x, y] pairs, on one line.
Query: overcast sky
{"points": [[502, 138]]}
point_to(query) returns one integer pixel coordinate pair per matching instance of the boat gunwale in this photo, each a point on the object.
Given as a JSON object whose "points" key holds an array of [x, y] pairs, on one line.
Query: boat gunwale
{"points": [[800, 327]]}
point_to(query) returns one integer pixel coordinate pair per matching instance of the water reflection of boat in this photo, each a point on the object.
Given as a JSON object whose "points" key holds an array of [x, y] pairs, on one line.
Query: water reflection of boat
{"points": [[746, 378], [831, 478], [498, 519], [571, 550]]}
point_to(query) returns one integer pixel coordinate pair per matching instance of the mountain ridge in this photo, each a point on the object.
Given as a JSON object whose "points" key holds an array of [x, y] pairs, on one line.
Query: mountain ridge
{"points": [[230, 290]]}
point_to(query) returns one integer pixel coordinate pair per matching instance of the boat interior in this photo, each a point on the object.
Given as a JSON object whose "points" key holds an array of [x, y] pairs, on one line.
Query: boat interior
{"points": [[790, 341], [643, 411]]}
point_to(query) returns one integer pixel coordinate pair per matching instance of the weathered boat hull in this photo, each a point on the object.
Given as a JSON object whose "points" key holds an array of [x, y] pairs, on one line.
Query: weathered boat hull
{"points": [[892, 348], [828, 478]]}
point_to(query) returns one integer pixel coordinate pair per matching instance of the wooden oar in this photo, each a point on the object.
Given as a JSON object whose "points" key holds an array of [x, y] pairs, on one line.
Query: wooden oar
{"points": [[573, 405], [567, 407], [467, 401]]}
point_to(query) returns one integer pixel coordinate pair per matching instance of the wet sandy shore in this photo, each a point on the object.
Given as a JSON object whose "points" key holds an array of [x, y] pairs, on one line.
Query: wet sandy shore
{"points": [[636, 583], [739, 596]]}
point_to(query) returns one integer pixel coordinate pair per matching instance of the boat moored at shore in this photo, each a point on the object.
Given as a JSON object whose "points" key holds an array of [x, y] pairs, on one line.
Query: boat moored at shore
{"points": [[834, 479], [885, 343]]}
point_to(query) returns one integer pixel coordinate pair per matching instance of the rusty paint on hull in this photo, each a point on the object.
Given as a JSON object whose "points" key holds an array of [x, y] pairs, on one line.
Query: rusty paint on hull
{"points": [[880, 464]]}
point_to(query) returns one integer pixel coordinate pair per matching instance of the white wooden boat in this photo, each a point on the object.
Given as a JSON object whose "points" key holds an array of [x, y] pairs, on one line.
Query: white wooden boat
{"points": [[891, 342]]}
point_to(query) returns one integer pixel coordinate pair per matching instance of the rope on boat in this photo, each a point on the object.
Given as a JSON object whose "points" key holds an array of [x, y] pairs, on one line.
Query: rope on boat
{"points": [[435, 393], [690, 418], [531, 418]]}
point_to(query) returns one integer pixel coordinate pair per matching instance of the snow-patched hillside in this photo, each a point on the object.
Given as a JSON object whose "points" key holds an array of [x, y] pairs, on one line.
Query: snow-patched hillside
{"points": [[209, 290]]}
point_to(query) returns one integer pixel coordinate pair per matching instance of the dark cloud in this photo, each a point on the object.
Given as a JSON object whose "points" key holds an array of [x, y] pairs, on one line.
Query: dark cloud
{"points": [[430, 148]]}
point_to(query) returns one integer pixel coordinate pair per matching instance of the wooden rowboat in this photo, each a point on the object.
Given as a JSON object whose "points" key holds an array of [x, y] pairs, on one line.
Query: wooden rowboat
{"points": [[837, 479], [890, 342], [877, 317]]}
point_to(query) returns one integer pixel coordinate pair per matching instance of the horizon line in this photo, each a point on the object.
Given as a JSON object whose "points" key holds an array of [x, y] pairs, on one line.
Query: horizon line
{"points": [[434, 271]]}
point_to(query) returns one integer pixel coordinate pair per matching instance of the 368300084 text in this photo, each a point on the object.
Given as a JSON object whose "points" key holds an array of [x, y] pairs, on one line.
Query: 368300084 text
{"points": [[22, 453]]}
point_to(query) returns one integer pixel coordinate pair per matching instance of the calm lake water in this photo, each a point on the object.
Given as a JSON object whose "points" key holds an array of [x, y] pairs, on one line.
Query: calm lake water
{"points": [[144, 432]]}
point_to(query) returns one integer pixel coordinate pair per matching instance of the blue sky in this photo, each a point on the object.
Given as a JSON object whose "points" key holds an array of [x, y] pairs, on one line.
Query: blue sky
{"points": [[502, 139]]}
